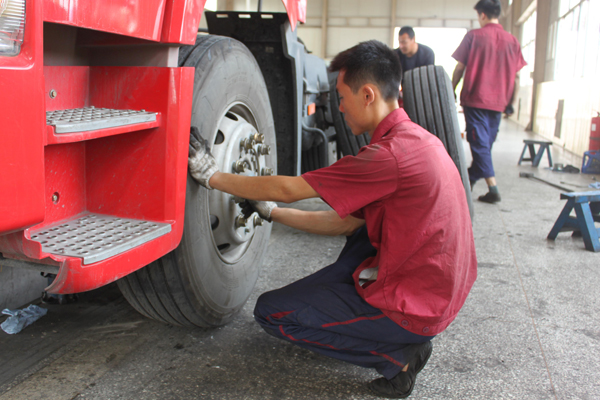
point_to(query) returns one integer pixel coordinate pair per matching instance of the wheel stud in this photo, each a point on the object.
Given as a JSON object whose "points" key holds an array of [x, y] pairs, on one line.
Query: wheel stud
{"points": [[258, 137], [246, 144], [264, 149], [239, 167], [240, 221], [258, 221], [266, 171]]}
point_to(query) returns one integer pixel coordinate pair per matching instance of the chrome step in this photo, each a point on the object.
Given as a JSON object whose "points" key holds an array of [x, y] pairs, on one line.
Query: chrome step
{"points": [[91, 119], [96, 237]]}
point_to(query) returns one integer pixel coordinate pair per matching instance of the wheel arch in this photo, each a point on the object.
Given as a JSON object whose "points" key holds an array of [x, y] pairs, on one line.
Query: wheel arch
{"points": [[281, 59]]}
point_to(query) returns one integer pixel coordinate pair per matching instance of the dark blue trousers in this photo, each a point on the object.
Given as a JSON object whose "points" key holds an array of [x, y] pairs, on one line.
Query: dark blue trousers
{"points": [[324, 313], [482, 129]]}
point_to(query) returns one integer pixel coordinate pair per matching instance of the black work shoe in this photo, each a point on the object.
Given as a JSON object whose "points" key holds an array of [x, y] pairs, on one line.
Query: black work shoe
{"points": [[490, 197], [401, 386]]}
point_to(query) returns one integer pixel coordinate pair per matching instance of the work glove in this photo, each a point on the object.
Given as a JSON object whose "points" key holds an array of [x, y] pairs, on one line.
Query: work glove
{"points": [[263, 208], [509, 110], [201, 163]]}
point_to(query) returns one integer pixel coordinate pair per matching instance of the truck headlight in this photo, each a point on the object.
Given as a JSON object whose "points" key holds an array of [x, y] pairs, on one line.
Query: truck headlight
{"points": [[12, 26]]}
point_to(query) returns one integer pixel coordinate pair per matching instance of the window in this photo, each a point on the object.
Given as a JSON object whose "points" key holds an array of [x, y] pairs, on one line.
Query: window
{"points": [[578, 39], [211, 5], [528, 49]]}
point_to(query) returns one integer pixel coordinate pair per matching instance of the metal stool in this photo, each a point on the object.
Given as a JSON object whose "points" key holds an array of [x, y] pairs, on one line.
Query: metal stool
{"points": [[535, 157], [587, 211]]}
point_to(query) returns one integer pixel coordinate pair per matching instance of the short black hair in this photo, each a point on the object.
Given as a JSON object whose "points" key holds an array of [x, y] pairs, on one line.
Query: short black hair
{"points": [[408, 30], [491, 8], [370, 62]]}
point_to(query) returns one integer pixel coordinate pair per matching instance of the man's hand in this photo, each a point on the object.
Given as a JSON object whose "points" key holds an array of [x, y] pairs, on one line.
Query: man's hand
{"points": [[201, 163], [457, 75], [509, 110], [263, 208]]}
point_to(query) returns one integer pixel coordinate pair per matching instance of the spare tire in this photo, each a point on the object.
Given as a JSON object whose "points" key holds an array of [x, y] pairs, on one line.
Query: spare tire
{"points": [[207, 279], [429, 102]]}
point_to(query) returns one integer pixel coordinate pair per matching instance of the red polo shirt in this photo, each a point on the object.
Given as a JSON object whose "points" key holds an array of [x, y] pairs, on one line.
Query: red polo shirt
{"points": [[492, 58], [411, 196]]}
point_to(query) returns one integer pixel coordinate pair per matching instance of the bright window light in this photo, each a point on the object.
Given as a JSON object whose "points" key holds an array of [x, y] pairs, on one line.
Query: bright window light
{"points": [[211, 5]]}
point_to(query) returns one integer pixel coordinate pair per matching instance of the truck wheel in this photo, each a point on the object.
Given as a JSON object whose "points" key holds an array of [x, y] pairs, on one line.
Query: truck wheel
{"points": [[208, 278], [346, 142], [429, 102]]}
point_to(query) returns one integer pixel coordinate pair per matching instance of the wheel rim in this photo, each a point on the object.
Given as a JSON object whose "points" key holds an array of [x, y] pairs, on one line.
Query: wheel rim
{"points": [[240, 149]]}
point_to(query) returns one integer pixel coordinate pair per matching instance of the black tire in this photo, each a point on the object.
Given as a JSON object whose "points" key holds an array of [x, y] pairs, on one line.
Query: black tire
{"points": [[205, 281], [346, 141], [429, 102]]}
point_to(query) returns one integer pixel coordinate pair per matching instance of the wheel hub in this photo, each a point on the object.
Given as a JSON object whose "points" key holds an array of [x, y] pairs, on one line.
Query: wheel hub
{"points": [[239, 149]]}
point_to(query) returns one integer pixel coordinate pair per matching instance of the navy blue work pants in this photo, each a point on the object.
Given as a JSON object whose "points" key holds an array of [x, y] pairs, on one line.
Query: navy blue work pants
{"points": [[324, 313], [482, 129]]}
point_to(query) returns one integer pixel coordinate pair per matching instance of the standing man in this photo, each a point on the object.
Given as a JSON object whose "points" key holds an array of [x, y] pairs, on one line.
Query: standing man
{"points": [[489, 58], [409, 259], [412, 54]]}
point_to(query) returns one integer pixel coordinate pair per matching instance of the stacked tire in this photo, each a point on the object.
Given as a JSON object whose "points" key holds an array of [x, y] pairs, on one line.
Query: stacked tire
{"points": [[429, 102]]}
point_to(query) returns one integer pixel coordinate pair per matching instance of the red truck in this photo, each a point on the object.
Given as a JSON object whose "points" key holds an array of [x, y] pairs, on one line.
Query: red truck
{"points": [[99, 98]]}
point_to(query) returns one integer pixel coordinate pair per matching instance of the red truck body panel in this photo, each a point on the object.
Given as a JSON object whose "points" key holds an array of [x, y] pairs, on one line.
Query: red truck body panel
{"points": [[296, 10], [140, 174], [140, 19], [182, 19], [22, 126], [168, 21], [135, 172]]}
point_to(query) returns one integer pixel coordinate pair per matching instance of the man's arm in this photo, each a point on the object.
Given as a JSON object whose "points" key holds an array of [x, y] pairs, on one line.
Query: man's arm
{"points": [[319, 222], [286, 189], [457, 74], [261, 191], [510, 107], [515, 93]]}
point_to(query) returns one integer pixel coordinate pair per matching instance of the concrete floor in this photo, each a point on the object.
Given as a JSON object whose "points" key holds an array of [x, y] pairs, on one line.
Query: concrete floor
{"points": [[530, 328]]}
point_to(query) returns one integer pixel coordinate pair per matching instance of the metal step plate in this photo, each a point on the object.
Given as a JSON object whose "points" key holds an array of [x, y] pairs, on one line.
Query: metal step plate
{"points": [[96, 237], [91, 119]]}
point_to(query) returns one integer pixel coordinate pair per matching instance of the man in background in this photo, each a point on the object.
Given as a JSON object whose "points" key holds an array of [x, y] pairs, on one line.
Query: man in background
{"points": [[489, 58], [412, 54]]}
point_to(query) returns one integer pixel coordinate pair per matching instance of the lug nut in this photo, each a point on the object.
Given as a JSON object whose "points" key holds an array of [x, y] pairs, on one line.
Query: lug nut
{"points": [[246, 144], [239, 167], [240, 221], [258, 221], [258, 137], [266, 171], [264, 149]]}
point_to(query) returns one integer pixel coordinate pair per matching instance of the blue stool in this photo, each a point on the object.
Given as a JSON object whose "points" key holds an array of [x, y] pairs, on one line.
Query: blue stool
{"points": [[536, 157], [587, 211], [591, 162]]}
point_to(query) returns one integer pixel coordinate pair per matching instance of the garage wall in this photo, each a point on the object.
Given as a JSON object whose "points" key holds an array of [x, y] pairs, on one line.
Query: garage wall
{"points": [[563, 95], [580, 99]]}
